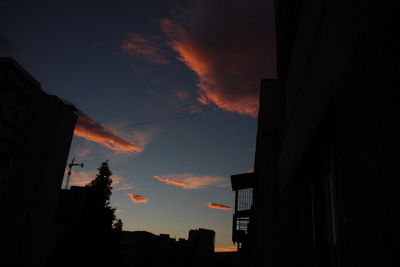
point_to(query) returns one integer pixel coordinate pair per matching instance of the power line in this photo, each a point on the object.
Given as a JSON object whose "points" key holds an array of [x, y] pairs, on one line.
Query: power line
{"points": [[191, 113]]}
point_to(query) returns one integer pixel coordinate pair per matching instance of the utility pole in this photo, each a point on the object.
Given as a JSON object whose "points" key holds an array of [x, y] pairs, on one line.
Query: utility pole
{"points": [[69, 170]]}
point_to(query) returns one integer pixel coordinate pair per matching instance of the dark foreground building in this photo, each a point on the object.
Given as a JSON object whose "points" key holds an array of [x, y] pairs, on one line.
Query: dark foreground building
{"points": [[326, 189], [74, 229], [35, 135], [85, 234]]}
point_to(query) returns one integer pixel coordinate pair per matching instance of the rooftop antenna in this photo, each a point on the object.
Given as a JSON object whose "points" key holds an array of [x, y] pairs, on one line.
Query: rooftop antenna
{"points": [[69, 170]]}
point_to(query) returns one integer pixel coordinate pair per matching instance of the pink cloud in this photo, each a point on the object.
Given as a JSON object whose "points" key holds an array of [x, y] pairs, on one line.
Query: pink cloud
{"points": [[218, 206], [137, 198], [229, 50], [93, 131], [148, 49], [190, 181]]}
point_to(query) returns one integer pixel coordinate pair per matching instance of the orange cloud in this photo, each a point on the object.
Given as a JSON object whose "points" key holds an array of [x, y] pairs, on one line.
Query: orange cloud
{"points": [[137, 198], [148, 49], [139, 138], [93, 131], [229, 50], [170, 181], [218, 206], [226, 249], [190, 181]]}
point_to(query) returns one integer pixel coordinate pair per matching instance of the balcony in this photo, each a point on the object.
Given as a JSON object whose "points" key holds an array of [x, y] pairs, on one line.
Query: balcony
{"points": [[243, 217]]}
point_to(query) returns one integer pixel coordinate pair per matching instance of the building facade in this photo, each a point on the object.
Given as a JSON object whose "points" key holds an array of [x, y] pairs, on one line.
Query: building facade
{"points": [[327, 147], [36, 130]]}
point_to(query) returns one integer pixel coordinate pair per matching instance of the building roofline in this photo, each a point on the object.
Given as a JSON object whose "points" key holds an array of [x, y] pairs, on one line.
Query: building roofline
{"points": [[11, 61]]}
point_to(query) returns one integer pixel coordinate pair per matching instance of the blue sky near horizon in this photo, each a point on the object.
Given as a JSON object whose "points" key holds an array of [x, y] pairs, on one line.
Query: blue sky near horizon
{"points": [[126, 62]]}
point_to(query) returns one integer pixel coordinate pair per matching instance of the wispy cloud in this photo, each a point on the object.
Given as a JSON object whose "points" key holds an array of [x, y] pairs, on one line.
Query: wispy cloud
{"points": [[121, 183], [82, 178], [182, 95], [137, 198], [195, 109], [190, 181], [82, 152], [147, 48], [93, 131], [139, 137], [229, 50], [218, 206]]}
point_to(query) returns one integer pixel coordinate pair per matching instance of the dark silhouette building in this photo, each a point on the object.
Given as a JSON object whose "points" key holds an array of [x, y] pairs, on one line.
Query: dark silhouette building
{"points": [[202, 241], [73, 204], [35, 135], [327, 150], [73, 229], [81, 225], [144, 248]]}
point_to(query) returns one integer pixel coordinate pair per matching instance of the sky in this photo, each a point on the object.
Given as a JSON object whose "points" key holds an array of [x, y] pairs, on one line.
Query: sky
{"points": [[167, 91]]}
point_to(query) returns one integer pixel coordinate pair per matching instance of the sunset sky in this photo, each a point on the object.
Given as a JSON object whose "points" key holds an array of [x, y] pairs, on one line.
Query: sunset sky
{"points": [[166, 90]]}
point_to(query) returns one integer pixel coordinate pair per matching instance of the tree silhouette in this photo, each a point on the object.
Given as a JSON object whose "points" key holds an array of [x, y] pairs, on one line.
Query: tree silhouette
{"points": [[101, 190], [104, 229], [117, 226], [101, 185]]}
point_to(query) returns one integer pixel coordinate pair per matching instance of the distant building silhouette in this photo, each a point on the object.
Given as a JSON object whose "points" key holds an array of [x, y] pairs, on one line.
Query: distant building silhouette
{"points": [[202, 242], [36, 130], [144, 248], [326, 179]]}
